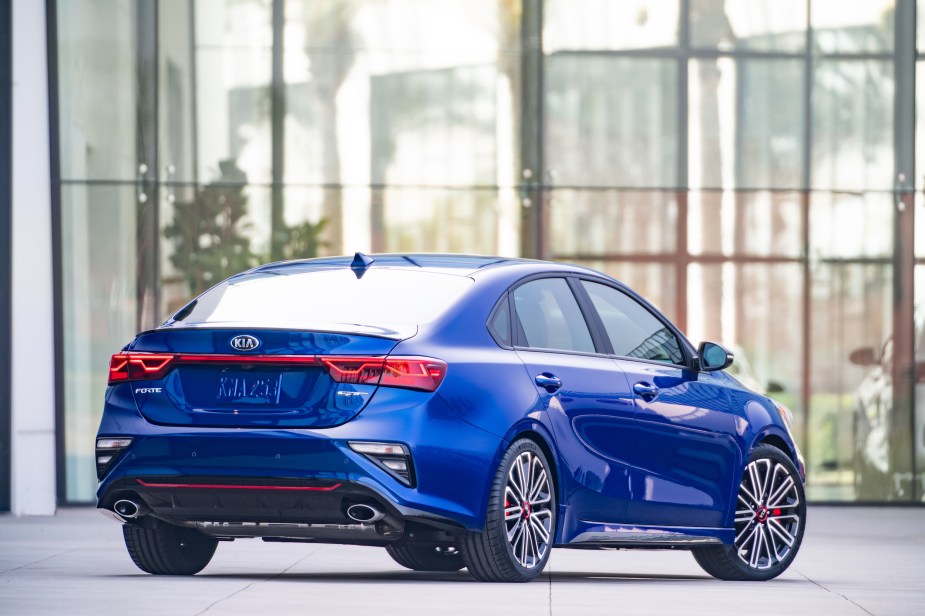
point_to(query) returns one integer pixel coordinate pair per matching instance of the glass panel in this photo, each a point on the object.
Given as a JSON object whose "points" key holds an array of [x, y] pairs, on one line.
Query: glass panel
{"points": [[919, 426], [233, 68], [97, 84], [433, 220], [849, 437], [550, 317], [846, 225], [176, 81], [653, 281], [919, 239], [99, 308], [598, 222], [208, 234], [920, 122], [611, 121], [604, 24], [755, 310], [866, 27], [308, 231], [853, 125], [434, 127], [401, 92], [633, 331], [749, 24], [920, 25], [764, 223], [500, 324], [746, 123], [306, 298]]}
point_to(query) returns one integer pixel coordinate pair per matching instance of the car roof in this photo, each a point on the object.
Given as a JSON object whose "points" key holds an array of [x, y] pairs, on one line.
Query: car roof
{"points": [[460, 265]]}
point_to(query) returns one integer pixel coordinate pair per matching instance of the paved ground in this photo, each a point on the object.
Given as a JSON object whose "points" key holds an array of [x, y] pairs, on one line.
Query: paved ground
{"points": [[853, 561]]}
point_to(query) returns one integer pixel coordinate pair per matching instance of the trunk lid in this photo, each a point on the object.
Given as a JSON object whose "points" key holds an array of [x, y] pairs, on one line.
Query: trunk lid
{"points": [[250, 378]]}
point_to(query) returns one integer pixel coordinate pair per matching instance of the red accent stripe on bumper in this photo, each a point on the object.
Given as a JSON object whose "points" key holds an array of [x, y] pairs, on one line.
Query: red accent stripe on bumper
{"points": [[209, 486]]}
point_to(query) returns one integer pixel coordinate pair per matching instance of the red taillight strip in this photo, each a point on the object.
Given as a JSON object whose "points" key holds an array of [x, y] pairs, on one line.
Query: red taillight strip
{"points": [[210, 486], [422, 373], [187, 358]]}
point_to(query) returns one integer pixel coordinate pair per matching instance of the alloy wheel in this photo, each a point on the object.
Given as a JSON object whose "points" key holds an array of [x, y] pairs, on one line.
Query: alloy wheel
{"points": [[528, 515], [767, 518]]}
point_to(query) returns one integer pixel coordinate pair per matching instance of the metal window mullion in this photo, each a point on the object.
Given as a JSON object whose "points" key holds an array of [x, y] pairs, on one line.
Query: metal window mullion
{"points": [[682, 181], [806, 203], [6, 265], [904, 368], [277, 130]]}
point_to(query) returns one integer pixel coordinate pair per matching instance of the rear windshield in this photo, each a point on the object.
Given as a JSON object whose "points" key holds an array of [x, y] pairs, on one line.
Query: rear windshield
{"points": [[388, 302]]}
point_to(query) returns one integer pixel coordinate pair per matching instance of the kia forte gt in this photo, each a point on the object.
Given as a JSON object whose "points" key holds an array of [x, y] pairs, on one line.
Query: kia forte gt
{"points": [[457, 411]]}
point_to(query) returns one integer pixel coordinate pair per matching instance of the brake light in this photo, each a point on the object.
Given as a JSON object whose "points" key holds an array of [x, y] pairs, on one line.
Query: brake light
{"points": [[138, 366], [421, 373]]}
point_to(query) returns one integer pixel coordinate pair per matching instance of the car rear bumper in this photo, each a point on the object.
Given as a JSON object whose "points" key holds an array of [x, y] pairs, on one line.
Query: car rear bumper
{"points": [[304, 476]]}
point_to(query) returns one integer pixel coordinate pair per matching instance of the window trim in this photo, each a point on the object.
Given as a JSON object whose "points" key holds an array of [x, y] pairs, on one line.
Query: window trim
{"points": [[519, 337], [504, 300], [687, 350]]}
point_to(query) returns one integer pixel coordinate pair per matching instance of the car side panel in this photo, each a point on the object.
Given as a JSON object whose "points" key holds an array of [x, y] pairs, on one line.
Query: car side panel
{"points": [[686, 452], [592, 419]]}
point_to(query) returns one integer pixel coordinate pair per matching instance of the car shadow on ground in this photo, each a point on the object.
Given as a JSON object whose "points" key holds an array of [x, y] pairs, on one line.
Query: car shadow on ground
{"points": [[441, 577]]}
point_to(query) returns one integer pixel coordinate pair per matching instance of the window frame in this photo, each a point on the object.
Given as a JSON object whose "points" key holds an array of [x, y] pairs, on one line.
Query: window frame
{"points": [[687, 350], [518, 336], [504, 302]]}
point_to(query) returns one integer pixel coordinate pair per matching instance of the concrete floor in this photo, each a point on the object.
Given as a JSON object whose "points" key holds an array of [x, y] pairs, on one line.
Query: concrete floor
{"points": [[853, 561]]}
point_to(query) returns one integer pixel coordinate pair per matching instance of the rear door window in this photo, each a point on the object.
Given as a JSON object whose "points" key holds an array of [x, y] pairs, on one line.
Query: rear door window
{"points": [[550, 318]]}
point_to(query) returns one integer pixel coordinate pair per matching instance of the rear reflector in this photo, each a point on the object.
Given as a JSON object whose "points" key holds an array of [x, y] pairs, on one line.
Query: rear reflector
{"points": [[394, 458], [107, 449], [421, 373]]}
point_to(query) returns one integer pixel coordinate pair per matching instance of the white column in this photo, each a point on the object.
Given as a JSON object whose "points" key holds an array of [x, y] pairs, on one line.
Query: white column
{"points": [[33, 345]]}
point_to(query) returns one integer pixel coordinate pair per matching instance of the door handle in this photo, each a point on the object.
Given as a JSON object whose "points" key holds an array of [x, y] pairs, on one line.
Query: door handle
{"points": [[549, 382], [645, 391]]}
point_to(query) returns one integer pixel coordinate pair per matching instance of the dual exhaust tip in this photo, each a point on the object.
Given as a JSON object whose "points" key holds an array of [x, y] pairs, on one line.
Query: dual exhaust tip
{"points": [[359, 512]]}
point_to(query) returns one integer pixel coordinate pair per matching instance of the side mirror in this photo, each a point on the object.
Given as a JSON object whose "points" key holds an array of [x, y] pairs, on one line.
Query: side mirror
{"points": [[864, 356], [711, 356]]}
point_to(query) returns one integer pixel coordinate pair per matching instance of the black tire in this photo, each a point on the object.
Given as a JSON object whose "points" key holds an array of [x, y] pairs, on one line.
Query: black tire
{"points": [[490, 555], [165, 549], [425, 557], [769, 521]]}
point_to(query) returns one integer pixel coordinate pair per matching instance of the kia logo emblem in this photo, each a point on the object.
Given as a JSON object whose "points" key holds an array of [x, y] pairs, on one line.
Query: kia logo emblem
{"points": [[244, 343]]}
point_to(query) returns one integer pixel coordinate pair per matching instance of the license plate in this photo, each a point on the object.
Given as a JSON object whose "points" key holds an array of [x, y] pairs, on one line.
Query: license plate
{"points": [[248, 388]]}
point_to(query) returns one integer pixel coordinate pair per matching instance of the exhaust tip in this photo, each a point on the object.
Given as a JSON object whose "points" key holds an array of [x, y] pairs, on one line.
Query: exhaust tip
{"points": [[364, 514], [126, 508]]}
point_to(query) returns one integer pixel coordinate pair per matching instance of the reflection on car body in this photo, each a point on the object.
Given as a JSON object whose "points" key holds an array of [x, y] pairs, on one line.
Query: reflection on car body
{"points": [[458, 411]]}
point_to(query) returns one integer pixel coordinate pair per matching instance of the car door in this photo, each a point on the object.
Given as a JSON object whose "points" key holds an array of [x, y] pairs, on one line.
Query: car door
{"points": [[585, 395], [684, 451]]}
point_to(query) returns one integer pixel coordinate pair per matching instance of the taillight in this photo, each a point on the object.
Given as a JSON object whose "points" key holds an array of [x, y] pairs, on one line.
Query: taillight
{"points": [[138, 366], [421, 373]]}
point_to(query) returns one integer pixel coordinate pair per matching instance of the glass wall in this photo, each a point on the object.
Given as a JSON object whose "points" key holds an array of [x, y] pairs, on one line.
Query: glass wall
{"points": [[735, 161]]}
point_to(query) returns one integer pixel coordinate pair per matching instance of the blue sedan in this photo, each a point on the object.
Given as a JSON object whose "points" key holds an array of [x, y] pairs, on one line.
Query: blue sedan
{"points": [[458, 411]]}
